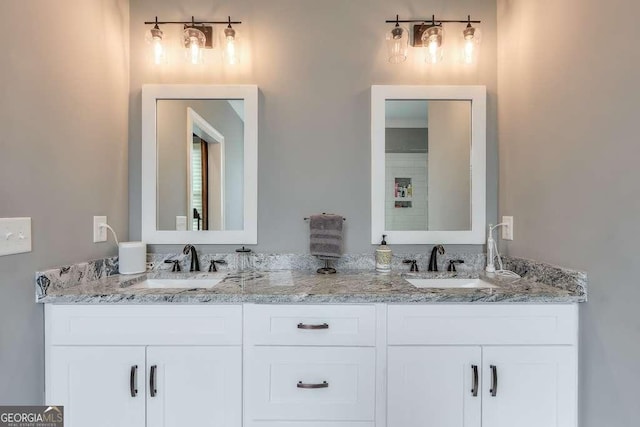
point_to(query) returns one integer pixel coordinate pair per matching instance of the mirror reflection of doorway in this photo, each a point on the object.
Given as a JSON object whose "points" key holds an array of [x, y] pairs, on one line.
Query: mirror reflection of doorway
{"points": [[200, 181], [206, 177]]}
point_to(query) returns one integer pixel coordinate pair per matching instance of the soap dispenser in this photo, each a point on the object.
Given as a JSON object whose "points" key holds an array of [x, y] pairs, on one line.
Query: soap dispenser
{"points": [[383, 257]]}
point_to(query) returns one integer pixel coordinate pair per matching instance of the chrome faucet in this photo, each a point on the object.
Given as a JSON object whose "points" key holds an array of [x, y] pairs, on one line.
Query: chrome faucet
{"points": [[433, 261], [195, 263]]}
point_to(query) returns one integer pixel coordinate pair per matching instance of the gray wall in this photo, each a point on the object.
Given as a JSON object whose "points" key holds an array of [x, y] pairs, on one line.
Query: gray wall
{"points": [[449, 160], [569, 174], [314, 62], [63, 157], [172, 158]]}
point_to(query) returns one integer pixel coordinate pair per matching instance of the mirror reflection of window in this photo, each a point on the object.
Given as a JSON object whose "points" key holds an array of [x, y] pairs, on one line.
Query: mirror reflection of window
{"points": [[200, 147], [427, 165]]}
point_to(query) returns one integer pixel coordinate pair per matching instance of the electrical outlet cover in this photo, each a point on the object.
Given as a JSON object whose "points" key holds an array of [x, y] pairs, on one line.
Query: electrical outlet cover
{"points": [[99, 233], [507, 229], [181, 223]]}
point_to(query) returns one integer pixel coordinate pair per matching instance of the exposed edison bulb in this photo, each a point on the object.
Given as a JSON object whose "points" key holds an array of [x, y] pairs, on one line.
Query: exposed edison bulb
{"points": [[432, 42], [432, 50], [158, 52], [230, 46], [469, 49], [194, 50]]}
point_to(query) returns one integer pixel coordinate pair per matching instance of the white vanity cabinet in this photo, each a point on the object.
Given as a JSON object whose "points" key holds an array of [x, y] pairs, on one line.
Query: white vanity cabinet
{"points": [[131, 366], [337, 365], [482, 365]]}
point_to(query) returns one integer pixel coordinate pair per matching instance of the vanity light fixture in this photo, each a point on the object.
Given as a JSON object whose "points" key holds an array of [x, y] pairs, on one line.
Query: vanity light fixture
{"points": [[432, 37], [195, 40], [197, 36], [471, 40], [429, 34], [155, 37], [230, 45], [397, 43]]}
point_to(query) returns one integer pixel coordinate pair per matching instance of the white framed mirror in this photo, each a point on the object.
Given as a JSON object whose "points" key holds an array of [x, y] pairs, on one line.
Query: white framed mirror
{"points": [[199, 164], [428, 164]]}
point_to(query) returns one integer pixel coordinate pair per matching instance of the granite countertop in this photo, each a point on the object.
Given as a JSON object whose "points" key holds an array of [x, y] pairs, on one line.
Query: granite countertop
{"points": [[306, 286]]}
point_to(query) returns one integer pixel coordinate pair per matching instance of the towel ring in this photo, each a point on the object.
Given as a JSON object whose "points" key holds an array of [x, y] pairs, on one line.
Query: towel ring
{"points": [[327, 269]]}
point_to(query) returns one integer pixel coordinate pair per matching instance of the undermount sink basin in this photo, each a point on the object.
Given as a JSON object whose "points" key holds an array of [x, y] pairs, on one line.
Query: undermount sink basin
{"points": [[178, 283], [451, 283]]}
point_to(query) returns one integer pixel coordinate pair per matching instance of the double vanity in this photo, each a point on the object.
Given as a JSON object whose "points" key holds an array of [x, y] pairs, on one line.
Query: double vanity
{"points": [[284, 348], [281, 346]]}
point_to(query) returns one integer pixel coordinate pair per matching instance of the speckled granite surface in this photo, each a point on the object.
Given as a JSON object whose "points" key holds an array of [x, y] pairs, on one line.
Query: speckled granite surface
{"points": [[544, 285], [560, 277], [266, 262], [55, 279]]}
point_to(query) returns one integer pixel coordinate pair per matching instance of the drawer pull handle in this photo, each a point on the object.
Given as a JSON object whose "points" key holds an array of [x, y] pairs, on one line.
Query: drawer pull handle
{"points": [[323, 384], [152, 380], [133, 381], [474, 389], [320, 326], [494, 381]]}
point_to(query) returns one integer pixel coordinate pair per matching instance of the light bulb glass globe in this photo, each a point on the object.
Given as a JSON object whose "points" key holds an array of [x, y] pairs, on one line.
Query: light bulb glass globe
{"points": [[194, 41], [397, 44], [432, 39], [155, 37], [230, 46], [470, 45]]}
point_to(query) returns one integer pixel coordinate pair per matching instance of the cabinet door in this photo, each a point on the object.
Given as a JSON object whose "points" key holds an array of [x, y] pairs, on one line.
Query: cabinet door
{"points": [[536, 386], [433, 386], [194, 386], [95, 385]]}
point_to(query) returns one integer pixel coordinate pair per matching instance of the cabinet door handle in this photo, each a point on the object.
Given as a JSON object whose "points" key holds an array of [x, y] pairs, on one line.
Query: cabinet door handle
{"points": [[494, 381], [133, 381], [320, 326], [474, 387], [323, 384], [152, 380]]}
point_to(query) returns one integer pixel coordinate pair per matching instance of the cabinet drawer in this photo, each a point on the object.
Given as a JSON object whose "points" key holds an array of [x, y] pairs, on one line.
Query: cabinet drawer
{"points": [[144, 324], [310, 384], [349, 325], [482, 324]]}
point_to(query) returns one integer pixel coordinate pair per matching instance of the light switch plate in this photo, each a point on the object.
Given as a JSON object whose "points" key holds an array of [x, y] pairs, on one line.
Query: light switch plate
{"points": [[15, 236], [507, 229]]}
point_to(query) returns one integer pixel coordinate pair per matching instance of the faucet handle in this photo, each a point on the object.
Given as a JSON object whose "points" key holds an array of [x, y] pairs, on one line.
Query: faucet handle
{"points": [[414, 264], [452, 264], [212, 264], [176, 265]]}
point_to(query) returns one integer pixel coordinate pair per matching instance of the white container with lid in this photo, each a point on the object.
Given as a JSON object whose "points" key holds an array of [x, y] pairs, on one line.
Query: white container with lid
{"points": [[132, 257]]}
